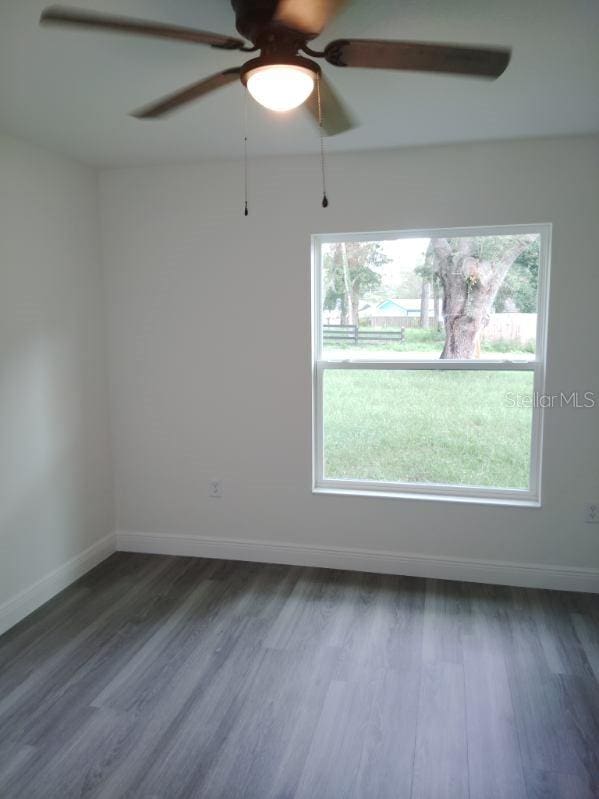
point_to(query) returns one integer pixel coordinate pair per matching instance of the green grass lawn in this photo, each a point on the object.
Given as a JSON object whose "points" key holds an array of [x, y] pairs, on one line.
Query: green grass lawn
{"points": [[427, 427]]}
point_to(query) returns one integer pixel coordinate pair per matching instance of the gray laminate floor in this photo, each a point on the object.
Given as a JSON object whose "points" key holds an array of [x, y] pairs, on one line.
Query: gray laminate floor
{"points": [[177, 677]]}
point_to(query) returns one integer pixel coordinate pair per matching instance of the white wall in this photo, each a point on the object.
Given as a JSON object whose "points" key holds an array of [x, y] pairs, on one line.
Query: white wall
{"points": [[210, 350], [55, 488]]}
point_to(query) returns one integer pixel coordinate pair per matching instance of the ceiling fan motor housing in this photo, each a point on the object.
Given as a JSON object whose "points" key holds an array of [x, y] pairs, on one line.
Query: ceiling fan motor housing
{"points": [[255, 20], [253, 16]]}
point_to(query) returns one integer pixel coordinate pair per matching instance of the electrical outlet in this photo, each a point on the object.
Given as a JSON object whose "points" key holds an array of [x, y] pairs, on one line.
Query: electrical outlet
{"points": [[215, 488], [591, 513]]}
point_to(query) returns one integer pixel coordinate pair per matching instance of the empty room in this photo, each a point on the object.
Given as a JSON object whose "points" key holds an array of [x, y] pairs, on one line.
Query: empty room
{"points": [[299, 399]]}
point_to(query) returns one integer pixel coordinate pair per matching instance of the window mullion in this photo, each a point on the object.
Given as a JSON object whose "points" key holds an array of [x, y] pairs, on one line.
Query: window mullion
{"points": [[440, 365]]}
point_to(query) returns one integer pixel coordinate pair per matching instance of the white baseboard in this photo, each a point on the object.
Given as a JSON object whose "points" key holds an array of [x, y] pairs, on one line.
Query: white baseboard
{"points": [[29, 599], [564, 578], [529, 575]]}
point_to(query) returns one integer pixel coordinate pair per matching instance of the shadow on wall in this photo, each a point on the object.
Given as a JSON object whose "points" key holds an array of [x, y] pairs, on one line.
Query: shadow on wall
{"points": [[42, 458]]}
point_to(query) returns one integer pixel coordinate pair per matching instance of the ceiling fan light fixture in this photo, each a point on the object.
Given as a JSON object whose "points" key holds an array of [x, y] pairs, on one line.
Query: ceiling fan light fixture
{"points": [[280, 87]]}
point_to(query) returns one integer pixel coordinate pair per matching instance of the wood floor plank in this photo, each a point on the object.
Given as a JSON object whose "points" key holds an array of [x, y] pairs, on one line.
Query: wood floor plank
{"points": [[282, 777], [494, 759], [580, 710], [158, 637], [446, 614], [281, 704], [67, 637], [81, 764], [564, 651], [44, 633], [441, 753], [177, 678], [333, 762], [180, 733], [554, 785], [28, 710], [15, 759], [587, 630], [548, 707], [389, 742]]}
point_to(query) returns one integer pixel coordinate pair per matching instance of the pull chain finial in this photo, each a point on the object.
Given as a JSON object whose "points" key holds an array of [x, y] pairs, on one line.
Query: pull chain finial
{"points": [[325, 199]]}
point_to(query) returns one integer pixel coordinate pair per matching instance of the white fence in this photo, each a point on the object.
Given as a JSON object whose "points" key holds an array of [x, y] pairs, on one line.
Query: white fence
{"points": [[520, 327]]}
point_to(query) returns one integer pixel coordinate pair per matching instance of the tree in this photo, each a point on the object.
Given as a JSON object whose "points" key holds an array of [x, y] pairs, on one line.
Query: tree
{"points": [[429, 278], [471, 272], [425, 296], [518, 291], [350, 271], [408, 285]]}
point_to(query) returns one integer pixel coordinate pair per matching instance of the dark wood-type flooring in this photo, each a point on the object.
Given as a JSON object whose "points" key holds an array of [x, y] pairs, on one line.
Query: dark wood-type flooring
{"points": [[161, 677]]}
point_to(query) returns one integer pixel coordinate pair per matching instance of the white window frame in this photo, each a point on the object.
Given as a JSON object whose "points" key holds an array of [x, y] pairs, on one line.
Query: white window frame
{"points": [[530, 497]]}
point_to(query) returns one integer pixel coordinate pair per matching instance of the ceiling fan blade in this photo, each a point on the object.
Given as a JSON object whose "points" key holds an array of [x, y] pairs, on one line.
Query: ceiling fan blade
{"points": [[59, 15], [336, 117], [174, 101], [308, 16], [418, 57]]}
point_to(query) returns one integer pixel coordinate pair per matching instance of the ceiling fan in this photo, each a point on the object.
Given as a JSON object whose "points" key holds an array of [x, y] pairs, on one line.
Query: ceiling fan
{"points": [[280, 78]]}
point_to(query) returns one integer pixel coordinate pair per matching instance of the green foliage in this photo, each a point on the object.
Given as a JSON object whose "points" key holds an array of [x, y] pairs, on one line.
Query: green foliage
{"points": [[506, 346], [364, 259], [519, 289], [486, 248], [408, 286], [423, 335]]}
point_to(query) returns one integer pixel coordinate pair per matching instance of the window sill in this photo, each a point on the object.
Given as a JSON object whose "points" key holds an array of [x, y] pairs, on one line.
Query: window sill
{"points": [[513, 502]]}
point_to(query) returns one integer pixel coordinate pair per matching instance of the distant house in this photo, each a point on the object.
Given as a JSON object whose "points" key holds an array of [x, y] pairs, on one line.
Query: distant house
{"points": [[402, 307], [394, 312], [390, 311], [392, 306], [333, 316]]}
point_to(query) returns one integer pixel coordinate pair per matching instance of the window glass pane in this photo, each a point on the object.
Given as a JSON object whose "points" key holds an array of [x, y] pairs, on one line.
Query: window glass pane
{"points": [[466, 428], [429, 298]]}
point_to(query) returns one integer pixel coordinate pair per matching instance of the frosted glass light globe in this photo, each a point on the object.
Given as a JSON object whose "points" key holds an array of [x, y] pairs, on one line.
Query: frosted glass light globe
{"points": [[280, 87]]}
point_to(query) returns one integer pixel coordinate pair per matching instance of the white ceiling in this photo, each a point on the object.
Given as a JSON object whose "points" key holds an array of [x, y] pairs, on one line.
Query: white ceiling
{"points": [[72, 90]]}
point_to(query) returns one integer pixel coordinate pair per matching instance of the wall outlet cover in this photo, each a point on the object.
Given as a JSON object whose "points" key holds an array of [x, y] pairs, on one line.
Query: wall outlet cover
{"points": [[591, 513], [215, 488]]}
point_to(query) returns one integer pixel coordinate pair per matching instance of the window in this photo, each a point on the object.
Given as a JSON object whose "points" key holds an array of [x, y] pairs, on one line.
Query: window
{"points": [[429, 361]]}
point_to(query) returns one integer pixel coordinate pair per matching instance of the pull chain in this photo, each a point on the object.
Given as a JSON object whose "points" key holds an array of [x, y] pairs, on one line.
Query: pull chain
{"points": [[325, 199], [245, 153]]}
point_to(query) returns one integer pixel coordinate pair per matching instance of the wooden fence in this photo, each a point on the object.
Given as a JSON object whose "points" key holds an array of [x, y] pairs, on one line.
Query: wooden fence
{"points": [[352, 334]]}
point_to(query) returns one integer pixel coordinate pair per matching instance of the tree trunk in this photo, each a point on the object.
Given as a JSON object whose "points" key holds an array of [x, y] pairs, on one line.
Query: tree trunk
{"points": [[349, 310], [436, 304], [355, 307], [425, 294], [462, 336]]}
